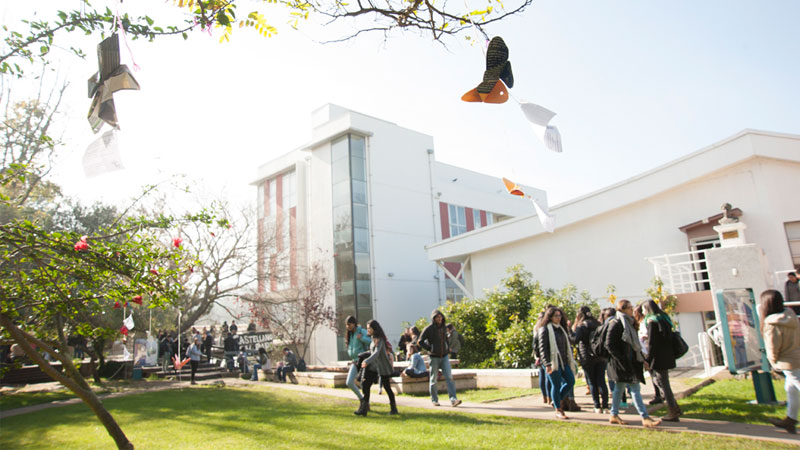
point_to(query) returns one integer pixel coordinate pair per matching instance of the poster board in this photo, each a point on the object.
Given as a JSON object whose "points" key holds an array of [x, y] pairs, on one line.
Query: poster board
{"points": [[743, 347]]}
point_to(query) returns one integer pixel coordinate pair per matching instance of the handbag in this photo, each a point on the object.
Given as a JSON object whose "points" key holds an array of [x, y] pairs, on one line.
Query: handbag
{"points": [[679, 346]]}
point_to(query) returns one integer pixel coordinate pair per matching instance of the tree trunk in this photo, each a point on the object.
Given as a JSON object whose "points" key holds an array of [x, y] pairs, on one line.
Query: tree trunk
{"points": [[87, 395]]}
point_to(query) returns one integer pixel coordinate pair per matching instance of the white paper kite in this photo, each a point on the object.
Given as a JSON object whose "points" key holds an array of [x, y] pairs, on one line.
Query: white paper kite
{"points": [[102, 155], [547, 220]]}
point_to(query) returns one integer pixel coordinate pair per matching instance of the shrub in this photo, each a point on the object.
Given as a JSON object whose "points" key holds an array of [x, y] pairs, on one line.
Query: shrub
{"points": [[469, 317]]}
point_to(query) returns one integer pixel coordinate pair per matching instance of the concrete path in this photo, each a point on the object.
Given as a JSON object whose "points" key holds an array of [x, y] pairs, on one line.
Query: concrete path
{"points": [[531, 407]]}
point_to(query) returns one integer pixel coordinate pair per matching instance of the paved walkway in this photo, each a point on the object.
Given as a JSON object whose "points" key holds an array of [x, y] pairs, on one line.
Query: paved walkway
{"points": [[531, 407]]}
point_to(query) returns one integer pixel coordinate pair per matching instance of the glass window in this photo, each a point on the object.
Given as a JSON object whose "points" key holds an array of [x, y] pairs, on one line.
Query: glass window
{"points": [[341, 217], [345, 268], [362, 266], [360, 216], [273, 200], [340, 171], [458, 220], [489, 218], [260, 200], [341, 193], [339, 149], [358, 147], [359, 192], [793, 235], [289, 191], [364, 293], [476, 218], [358, 169], [361, 240]]}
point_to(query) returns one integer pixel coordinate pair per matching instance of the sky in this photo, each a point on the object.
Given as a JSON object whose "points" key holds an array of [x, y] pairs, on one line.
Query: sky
{"points": [[635, 85]]}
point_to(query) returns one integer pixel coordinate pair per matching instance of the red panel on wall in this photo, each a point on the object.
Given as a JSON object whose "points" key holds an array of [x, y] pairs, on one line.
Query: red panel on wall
{"points": [[483, 218], [293, 246], [261, 268], [453, 268], [470, 219], [266, 198], [445, 219], [279, 212]]}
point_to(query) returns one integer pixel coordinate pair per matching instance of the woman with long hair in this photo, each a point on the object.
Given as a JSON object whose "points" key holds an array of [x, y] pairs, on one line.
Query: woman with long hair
{"points": [[659, 354], [557, 358], [626, 366], [357, 342], [376, 365], [782, 341], [594, 367], [544, 387]]}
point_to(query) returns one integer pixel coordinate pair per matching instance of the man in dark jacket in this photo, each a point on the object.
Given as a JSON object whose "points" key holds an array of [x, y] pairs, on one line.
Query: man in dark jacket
{"points": [[792, 290], [434, 340], [626, 367], [231, 346]]}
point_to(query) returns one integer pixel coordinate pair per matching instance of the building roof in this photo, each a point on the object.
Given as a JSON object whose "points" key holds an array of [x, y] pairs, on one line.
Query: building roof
{"points": [[735, 149]]}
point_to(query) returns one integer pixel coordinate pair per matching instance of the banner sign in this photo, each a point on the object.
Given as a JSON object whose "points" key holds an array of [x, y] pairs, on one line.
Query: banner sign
{"points": [[253, 341]]}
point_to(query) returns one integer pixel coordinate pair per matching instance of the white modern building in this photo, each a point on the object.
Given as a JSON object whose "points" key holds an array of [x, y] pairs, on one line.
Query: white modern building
{"points": [[365, 197], [659, 222]]}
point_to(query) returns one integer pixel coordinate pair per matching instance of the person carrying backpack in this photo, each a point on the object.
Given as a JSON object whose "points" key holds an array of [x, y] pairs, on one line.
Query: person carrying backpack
{"points": [[594, 367]]}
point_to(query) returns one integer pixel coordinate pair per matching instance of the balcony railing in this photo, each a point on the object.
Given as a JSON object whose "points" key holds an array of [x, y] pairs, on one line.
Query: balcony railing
{"points": [[682, 272]]}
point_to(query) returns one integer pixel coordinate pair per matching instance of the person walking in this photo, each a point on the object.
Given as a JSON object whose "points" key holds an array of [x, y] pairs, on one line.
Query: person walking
{"points": [[194, 353], [626, 367], [557, 359], [660, 355], [781, 332], [376, 365], [544, 387], [594, 367], [434, 340], [357, 342]]}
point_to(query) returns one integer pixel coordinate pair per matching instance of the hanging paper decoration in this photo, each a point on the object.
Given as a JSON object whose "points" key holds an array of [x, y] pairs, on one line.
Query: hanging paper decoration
{"points": [[128, 323], [498, 72], [117, 305], [547, 220], [102, 155], [177, 242], [137, 299], [82, 245], [124, 330], [178, 363], [110, 78], [126, 355], [539, 118], [154, 271]]}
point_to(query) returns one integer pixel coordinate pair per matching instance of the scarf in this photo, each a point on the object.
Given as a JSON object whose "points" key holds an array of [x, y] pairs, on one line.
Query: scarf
{"points": [[659, 318], [555, 356], [629, 335]]}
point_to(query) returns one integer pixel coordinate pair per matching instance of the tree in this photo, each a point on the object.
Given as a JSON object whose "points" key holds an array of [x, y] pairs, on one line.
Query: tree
{"points": [[425, 16], [294, 314]]}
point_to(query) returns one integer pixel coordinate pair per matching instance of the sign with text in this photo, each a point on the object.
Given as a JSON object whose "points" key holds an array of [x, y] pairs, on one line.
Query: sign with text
{"points": [[254, 341]]}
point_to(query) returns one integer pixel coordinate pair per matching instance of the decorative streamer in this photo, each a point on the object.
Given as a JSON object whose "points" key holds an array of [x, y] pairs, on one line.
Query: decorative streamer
{"points": [[547, 220]]}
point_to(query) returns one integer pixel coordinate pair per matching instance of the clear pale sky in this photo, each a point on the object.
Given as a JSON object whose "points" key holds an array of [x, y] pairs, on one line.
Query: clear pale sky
{"points": [[635, 84]]}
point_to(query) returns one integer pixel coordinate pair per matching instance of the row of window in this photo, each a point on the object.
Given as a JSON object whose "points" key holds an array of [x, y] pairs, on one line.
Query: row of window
{"points": [[458, 219]]}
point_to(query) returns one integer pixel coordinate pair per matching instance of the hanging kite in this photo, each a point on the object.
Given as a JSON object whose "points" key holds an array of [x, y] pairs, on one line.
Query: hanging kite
{"points": [[178, 363], [498, 79], [110, 78], [547, 220]]}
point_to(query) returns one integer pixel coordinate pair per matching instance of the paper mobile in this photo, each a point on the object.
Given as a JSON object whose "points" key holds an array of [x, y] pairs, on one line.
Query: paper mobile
{"points": [[110, 78], [102, 155], [128, 323], [547, 220], [178, 363], [498, 72], [539, 118]]}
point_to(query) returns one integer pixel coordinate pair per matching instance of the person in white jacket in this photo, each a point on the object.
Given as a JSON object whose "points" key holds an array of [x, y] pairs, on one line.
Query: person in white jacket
{"points": [[781, 332]]}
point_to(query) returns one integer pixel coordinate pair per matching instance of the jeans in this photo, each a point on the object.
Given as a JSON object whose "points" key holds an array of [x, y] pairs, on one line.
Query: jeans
{"points": [[444, 364], [561, 383], [792, 386], [283, 371], [351, 380], [409, 372], [256, 368], [194, 364], [636, 395], [596, 379], [544, 384], [661, 379]]}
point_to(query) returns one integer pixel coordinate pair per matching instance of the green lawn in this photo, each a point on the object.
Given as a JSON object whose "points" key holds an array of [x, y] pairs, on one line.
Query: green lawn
{"points": [[727, 400], [22, 399], [485, 395], [270, 418]]}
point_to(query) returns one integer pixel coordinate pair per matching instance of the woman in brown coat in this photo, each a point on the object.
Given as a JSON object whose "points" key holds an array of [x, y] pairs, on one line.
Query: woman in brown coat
{"points": [[782, 341]]}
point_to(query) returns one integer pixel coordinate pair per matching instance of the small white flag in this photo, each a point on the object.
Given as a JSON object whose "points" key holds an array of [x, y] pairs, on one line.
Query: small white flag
{"points": [[538, 115], [547, 220], [125, 353], [549, 136], [128, 322]]}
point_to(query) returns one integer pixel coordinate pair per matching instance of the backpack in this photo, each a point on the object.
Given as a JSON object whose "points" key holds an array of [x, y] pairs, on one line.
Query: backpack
{"points": [[597, 340]]}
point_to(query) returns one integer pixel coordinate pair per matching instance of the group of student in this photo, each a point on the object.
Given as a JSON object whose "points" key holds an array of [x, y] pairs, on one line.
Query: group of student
{"points": [[622, 344], [373, 360]]}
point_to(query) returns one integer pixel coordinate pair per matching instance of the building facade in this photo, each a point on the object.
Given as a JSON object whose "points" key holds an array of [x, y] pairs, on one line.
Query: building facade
{"points": [[364, 198], [659, 222]]}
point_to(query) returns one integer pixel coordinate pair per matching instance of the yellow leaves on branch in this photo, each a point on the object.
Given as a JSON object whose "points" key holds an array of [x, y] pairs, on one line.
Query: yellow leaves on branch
{"points": [[257, 21]]}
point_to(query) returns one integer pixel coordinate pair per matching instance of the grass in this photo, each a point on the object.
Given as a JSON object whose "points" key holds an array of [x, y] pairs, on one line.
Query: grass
{"points": [[22, 399], [727, 400], [484, 395], [265, 417]]}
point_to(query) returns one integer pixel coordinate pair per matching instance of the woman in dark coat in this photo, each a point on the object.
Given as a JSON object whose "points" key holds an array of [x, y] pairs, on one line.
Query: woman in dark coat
{"points": [[594, 367], [660, 354], [626, 366], [556, 354]]}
